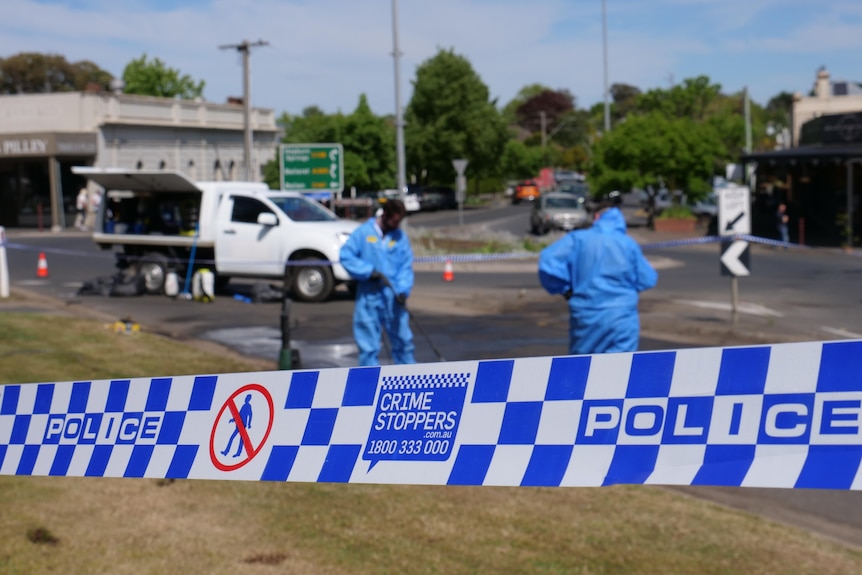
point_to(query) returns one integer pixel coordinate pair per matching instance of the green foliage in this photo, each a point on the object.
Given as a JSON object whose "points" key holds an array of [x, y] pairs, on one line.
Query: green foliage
{"points": [[510, 110], [451, 116], [32, 72], [368, 141], [520, 161], [690, 99], [153, 78], [650, 149], [676, 212]]}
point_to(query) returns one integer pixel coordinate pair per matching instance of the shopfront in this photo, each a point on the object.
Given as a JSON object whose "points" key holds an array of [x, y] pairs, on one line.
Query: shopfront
{"points": [[818, 181], [37, 186]]}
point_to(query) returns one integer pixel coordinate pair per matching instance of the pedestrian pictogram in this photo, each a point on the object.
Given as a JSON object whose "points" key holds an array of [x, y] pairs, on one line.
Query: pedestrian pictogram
{"points": [[241, 427]]}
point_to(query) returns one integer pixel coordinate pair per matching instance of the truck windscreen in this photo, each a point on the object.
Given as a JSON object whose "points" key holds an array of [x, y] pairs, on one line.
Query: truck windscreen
{"points": [[301, 209]]}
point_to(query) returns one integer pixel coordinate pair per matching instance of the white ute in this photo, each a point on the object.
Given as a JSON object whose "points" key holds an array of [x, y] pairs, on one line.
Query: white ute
{"points": [[155, 219]]}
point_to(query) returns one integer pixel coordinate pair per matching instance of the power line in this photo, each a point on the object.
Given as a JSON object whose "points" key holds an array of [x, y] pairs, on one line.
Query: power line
{"points": [[245, 49]]}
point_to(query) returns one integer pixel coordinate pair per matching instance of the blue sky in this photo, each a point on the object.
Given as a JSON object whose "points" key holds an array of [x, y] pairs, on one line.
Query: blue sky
{"points": [[328, 52]]}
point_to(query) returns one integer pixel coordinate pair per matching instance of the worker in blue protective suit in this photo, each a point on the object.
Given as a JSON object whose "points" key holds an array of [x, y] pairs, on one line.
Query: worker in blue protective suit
{"points": [[378, 256], [600, 272]]}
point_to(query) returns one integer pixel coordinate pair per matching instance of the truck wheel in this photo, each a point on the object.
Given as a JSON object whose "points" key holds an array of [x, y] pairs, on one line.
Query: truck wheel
{"points": [[312, 282], [153, 268]]}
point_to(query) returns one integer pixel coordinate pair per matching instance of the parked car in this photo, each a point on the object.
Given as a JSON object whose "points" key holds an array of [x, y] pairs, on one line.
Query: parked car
{"points": [[579, 190], [707, 206], [526, 190], [411, 200], [558, 211], [664, 199], [448, 197]]}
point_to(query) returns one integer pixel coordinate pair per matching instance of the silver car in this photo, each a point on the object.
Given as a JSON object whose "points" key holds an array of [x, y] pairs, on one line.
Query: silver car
{"points": [[558, 211]]}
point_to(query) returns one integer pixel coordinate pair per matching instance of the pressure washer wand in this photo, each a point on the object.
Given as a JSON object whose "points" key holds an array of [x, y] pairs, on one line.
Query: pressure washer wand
{"points": [[433, 347]]}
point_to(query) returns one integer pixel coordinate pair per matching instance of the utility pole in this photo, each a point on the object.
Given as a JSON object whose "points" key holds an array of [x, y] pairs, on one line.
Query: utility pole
{"points": [[747, 122], [544, 121], [399, 121], [245, 49], [605, 57]]}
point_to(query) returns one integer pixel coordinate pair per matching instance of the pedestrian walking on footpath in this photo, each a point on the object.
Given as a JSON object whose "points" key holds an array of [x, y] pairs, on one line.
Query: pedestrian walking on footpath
{"points": [[600, 271], [379, 257]]}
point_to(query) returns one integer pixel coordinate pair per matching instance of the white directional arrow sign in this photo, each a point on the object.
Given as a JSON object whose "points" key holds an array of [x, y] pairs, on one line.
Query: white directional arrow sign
{"points": [[735, 259], [734, 211]]}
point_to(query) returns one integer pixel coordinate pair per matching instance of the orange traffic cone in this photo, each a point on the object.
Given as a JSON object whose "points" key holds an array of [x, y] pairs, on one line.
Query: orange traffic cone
{"points": [[448, 274], [42, 266]]}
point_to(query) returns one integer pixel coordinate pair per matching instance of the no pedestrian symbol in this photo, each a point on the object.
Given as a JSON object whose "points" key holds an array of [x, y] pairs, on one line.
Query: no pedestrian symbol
{"points": [[241, 427]]}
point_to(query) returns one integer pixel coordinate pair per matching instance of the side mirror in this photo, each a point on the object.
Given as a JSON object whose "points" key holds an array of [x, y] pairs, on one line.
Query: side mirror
{"points": [[267, 219]]}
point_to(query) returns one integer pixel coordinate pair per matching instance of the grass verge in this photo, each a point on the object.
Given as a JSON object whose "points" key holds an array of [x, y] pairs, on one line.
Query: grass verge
{"points": [[140, 526]]}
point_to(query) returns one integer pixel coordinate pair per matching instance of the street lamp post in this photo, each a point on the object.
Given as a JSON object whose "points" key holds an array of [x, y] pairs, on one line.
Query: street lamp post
{"points": [[399, 121], [605, 59]]}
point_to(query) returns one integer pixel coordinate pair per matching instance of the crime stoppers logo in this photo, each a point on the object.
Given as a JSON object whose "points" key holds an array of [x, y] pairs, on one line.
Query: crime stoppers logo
{"points": [[241, 427], [416, 418]]}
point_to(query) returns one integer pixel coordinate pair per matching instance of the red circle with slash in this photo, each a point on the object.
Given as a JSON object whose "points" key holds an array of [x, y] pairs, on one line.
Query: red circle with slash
{"points": [[250, 450]]}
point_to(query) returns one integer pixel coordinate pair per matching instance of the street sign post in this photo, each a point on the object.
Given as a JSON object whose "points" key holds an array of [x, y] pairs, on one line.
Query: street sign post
{"points": [[460, 186], [734, 219], [312, 167]]}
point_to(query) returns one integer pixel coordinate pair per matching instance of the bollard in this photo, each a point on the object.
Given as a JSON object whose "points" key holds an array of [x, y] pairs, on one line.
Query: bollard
{"points": [[287, 358], [4, 266]]}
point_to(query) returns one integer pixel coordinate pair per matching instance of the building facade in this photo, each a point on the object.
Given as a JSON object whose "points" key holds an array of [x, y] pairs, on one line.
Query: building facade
{"points": [[43, 135], [818, 177], [829, 97]]}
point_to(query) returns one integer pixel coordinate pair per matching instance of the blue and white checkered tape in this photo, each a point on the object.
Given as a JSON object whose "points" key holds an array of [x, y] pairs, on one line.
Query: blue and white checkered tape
{"points": [[787, 415]]}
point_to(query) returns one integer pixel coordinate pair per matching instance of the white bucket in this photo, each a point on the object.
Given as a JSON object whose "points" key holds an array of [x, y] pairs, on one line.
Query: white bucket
{"points": [[203, 285], [172, 284]]}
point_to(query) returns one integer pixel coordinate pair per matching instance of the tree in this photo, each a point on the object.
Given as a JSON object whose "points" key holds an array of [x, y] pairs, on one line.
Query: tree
{"points": [[371, 140], [554, 103], [450, 115], [520, 161], [654, 149], [154, 78], [690, 99], [368, 141], [524, 94], [32, 73], [625, 100]]}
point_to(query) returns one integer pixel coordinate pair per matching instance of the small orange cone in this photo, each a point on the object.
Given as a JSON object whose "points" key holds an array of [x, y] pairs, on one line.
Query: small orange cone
{"points": [[42, 266], [448, 274]]}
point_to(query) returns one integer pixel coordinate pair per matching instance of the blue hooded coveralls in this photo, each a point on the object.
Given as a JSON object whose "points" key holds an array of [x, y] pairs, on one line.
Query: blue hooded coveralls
{"points": [[368, 250], [605, 270]]}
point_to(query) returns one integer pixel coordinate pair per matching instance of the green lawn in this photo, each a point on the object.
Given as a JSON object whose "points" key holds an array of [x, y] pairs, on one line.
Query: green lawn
{"points": [[137, 526]]}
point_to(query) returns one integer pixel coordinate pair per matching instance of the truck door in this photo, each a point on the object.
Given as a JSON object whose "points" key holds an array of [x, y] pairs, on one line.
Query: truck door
{"points": [[244, 246]]}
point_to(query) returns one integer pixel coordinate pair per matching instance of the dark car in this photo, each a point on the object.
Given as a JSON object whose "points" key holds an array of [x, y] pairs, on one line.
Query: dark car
{"points": [[448, 198], [429, 201]]}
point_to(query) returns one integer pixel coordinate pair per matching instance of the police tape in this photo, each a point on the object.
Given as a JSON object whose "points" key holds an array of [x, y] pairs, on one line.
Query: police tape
{"points": [[780, 416], [437, 258]]}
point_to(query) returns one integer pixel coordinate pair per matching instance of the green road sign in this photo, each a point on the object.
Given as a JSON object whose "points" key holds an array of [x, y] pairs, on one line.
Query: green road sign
{"points": [[312, 167]]}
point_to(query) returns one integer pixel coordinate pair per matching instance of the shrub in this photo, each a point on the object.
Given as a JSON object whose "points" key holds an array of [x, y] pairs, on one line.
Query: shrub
{"points": [[676, 212]]}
